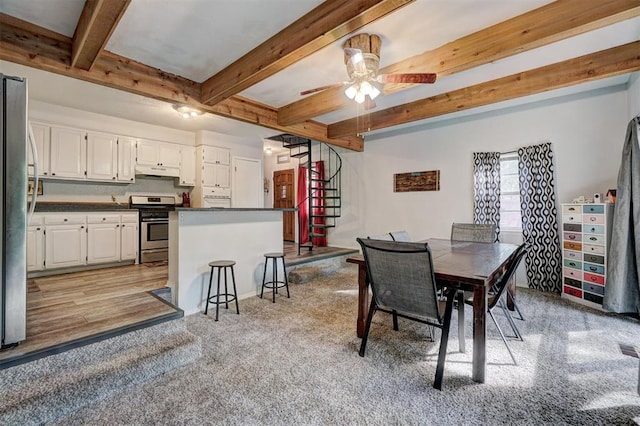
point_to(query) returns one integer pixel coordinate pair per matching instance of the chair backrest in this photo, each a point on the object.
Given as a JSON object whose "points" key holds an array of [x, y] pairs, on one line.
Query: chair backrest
{"points": [[473, 232], [400, 236], [384, 237], [510, 271], [401, 277]]}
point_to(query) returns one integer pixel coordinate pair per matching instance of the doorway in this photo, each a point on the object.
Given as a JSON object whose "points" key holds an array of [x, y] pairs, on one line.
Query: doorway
{"points": [[283, 197]]}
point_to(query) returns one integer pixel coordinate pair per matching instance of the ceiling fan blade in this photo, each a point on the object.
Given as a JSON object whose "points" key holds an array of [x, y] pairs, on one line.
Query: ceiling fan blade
{"points": [[356, 59], [369, 103], [321, 88], [407, 78]]}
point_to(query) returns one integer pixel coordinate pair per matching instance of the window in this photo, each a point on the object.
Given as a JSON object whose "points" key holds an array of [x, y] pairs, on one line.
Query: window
{"points": [[510, 216]]}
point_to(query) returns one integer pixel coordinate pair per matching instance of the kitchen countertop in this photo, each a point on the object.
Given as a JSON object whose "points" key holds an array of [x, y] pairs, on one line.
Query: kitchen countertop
{"points": [[232, 209], [54, 207]]}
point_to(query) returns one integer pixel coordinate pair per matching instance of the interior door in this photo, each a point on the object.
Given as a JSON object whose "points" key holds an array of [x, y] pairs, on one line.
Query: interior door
{"points": [[284, 197]]}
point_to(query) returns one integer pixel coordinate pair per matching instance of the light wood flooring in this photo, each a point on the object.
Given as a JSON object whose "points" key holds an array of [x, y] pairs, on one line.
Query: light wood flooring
{"points": [[80, 307]]}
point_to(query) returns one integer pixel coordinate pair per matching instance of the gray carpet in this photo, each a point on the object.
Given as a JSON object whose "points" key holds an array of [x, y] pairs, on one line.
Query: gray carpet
{"points": [[295, 362]]}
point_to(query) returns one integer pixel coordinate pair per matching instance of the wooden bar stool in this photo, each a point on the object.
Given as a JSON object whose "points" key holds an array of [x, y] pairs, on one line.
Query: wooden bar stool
{"points": [[274, 284], [228, 297]]}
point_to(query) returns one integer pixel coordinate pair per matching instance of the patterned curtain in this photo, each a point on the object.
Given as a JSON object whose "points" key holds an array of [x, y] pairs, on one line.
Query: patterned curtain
{"points": [[540, 217], [486, 188]]}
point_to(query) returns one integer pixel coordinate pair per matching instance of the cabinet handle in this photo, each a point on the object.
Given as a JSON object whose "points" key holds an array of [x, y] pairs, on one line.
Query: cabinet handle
{"points": [[593, 268], [572, 237], [45, 173], [592, 219], [593, 239], [53, 174], [82, 227], [131, 179], [114, 178], [118, 226], [66, 219]]}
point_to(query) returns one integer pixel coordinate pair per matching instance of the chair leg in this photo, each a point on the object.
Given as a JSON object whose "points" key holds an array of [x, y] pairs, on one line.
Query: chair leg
{"points": [[515, 305], [512, 323], [461, 344], [395, 320], [363, 344], [503, 338], [218, 296], [286, 280], [264, 277], [235, 292], [226, 290], [274, 276], [206, 307], [444, 339]]}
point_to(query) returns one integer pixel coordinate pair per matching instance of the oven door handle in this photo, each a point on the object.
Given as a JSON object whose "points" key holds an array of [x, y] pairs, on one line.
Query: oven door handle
{"points": [[154, 219]]}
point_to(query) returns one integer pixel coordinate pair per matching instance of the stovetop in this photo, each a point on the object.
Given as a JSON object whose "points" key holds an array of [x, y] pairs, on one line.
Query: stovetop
{"points": [[152, 202]]}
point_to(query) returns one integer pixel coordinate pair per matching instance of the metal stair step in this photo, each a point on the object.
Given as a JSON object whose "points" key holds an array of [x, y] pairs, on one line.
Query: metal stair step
{"points": [[322, 226], [324, 215], [299, 154], [326, 197]]}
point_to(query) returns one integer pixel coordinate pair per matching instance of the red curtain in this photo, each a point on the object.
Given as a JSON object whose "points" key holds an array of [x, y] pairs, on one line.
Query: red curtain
{"points": [[303, 206], [319, 203]]}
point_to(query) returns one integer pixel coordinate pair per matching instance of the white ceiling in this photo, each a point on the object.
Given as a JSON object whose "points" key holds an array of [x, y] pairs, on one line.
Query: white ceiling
{"points": [[197, 38]]}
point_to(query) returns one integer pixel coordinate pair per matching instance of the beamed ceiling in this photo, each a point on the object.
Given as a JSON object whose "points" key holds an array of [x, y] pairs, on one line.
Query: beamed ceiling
{"points": [[248, 60]]}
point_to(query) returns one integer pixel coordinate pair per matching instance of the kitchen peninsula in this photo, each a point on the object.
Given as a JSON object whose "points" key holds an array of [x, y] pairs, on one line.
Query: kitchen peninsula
{"points": [[198, 236]]}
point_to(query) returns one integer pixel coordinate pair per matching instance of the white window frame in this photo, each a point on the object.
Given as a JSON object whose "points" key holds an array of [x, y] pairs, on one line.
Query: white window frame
{"points": [[509, 157]]}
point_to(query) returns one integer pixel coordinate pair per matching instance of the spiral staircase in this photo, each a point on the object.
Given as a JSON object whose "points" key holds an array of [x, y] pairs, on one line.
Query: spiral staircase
{"points": [[323, 198]]}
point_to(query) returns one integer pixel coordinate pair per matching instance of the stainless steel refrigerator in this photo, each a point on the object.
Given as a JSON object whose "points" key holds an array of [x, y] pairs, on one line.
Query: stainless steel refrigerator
{"points": [[13, 216]]}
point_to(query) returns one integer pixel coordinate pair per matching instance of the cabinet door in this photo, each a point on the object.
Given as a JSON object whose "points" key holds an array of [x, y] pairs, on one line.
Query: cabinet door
{"points": [[187, 166], [102, 156], [215, 175], [65, 246], [129, 241], [42, 135], [148, 153], [214, 154], [169, 155], [126, 159], [103, 243], [35, 248], [223, 156], [68, 153], [223, 176]]}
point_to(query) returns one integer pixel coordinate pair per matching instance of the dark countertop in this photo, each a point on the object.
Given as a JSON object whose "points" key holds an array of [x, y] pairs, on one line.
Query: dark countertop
{"points": [[54, 207], [232, 209]]}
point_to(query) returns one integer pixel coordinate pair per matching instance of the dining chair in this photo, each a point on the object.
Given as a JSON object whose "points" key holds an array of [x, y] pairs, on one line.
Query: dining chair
{"points": [[497, 296], [383, 237], [400, 236], [403, 284], [473, 232]]}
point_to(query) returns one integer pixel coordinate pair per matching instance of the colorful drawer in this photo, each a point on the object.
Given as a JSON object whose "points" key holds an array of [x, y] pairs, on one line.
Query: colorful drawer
{"points": [[586, 232]]}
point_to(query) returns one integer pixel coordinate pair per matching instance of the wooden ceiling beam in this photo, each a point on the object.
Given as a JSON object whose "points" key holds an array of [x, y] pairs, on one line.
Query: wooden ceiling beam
{"points": [[322, 26], [547, 24], [97, 22], [606, 63], [27, 44]]}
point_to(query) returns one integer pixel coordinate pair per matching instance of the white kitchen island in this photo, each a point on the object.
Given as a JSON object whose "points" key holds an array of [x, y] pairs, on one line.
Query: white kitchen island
{"points": [[198, 236]]}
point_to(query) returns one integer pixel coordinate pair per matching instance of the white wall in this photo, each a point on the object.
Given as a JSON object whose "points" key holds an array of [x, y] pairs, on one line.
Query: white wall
{"points": [[586, 132], [271, 165], [634, 95]]}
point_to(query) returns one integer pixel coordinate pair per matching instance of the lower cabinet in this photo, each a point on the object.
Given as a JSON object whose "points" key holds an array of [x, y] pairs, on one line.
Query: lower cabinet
{"points": [[57, 240], [103, 238]]}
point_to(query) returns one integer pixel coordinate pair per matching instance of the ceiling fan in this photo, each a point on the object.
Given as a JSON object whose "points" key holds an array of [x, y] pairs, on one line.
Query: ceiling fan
{"points": [[362, 58]]}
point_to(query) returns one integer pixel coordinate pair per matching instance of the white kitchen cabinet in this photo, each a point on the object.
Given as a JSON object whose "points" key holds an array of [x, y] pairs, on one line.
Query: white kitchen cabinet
{"points": [[102, 156], [187, 166], [217, 175], [42, 135], [217, 155], [68, 155], [126, 159], [158, 158], [129, 237], [65, 240], [35, 244], [103, 238]]}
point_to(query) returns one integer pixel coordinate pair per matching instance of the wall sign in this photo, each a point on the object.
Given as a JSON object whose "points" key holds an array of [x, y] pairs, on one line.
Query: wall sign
{"points": [[417, 181], [282, 158]]}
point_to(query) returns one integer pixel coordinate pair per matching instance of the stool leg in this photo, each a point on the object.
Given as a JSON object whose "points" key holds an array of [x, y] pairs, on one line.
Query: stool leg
{"points": [[264, 277], [218, 297], [226, 291], [206, 307], [275, 279], [235, 292], [286, 281]]}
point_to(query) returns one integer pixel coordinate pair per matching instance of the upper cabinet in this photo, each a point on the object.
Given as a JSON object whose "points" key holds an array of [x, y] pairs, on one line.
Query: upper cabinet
{"points": [[213, 168], [158, 158], [216, 155], [126, 159], [42, 136], [68, 153], [187, 166], [102, 156]]}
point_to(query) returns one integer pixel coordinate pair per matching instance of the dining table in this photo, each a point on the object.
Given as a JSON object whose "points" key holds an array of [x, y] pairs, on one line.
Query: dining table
{"points": [[468, 266]]}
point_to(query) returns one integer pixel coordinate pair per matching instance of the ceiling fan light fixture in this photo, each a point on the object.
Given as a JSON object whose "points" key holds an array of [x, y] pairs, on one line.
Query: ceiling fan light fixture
{"points": [[351, 91], [186, 112], [359, 98]]}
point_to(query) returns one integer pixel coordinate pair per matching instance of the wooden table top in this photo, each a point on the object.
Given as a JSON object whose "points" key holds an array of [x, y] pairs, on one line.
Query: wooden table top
{"points": [[464, 262]]}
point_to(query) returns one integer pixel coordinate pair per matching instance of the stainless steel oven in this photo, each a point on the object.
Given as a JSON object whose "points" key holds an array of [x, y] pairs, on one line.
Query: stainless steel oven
{"points": [[154, 226]]}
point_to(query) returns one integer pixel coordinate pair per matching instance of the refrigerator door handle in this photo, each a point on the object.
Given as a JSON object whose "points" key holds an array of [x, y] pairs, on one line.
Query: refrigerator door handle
{"points": [[34, 152]]}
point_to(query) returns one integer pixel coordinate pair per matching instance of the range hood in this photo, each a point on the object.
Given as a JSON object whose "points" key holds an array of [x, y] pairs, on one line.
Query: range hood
{"points": [[157, 171]]}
